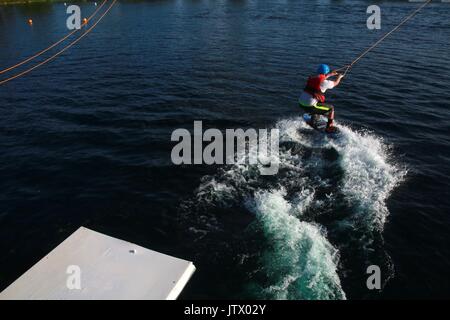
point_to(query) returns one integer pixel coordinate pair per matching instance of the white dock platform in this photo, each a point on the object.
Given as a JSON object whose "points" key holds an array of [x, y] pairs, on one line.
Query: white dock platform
{"points": [[91, 265]]}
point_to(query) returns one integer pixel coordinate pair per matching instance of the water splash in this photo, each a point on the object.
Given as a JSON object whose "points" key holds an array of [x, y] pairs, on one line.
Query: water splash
{"points": [[328, 199], [300, 262], [369, 177]]}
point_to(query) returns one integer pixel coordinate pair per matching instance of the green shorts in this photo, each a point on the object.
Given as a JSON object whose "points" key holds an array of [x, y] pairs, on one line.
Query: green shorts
{"points": [[320, 108]]}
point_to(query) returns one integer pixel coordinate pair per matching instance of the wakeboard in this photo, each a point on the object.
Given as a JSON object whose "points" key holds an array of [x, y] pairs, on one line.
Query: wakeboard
{"points": [[319, 123]]}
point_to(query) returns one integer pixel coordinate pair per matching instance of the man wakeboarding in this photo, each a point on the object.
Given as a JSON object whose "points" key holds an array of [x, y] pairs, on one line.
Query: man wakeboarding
{"points": [[312, 100]]}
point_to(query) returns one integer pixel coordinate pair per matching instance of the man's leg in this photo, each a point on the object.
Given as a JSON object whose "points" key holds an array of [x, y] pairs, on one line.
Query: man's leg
{"points": [[328, 110], [309, 110]]}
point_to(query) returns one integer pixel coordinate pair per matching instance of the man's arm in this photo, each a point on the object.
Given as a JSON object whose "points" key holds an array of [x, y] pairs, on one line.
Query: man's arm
{"points": [[339, 77]]}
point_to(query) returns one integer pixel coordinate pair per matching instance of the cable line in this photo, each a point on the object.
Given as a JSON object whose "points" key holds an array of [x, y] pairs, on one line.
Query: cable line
{"points": [[62, 50], [406, 19], [52, 46]]}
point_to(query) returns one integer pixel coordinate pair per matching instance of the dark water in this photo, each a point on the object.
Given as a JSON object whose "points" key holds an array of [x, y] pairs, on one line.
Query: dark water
{"points": [[85, 140]]}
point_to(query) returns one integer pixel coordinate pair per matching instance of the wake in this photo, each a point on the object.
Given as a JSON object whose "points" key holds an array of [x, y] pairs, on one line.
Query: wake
{"points": [[327, 202]]}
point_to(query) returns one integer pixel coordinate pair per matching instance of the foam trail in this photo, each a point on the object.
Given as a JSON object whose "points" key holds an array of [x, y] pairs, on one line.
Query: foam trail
{"points": [[301, 263], [347, 179], [369, 178]]}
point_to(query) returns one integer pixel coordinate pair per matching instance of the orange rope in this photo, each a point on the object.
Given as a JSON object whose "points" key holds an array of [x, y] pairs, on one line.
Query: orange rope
{"points": [[52, 46], [62, 50]]}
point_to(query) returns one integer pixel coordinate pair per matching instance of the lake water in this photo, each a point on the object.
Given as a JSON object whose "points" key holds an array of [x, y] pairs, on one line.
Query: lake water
{"points": [[85, 140]]}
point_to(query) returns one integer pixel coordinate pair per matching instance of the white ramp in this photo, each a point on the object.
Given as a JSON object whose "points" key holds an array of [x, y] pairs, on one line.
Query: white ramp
{"points": [[102, 267]]}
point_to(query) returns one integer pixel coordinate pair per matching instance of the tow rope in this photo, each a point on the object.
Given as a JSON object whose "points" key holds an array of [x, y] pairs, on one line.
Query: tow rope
{"points": [[55, 44], [406, 19]]}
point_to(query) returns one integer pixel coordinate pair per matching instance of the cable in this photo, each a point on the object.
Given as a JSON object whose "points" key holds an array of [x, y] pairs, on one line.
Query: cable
{"points": [[52, 46], [62, 50], [348, 67]]}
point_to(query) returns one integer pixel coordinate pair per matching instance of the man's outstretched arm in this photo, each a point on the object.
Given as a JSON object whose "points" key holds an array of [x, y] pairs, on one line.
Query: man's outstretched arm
{"points": [[339, 77]]}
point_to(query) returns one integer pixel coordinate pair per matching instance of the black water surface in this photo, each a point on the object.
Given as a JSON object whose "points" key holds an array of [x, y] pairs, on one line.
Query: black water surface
{"points": [[85, 140]]}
